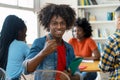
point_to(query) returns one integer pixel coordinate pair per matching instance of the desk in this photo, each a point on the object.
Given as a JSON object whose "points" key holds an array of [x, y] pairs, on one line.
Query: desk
{"points": [[91, 66]]}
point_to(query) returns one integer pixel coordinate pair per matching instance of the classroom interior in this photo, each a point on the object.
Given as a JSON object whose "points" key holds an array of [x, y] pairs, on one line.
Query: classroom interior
{"points": [[100, 14]]}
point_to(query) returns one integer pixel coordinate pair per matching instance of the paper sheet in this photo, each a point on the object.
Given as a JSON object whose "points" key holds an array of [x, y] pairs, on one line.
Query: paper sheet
{"points": [[89, 61]]}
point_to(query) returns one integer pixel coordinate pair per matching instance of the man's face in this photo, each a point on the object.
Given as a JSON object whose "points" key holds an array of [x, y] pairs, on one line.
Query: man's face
{"points": [[117, 19], [57, 26], [78, 32], [117, 14]]}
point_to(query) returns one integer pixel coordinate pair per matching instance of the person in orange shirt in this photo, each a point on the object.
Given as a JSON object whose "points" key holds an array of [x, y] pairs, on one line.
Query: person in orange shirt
{"points": [[84, 46]]}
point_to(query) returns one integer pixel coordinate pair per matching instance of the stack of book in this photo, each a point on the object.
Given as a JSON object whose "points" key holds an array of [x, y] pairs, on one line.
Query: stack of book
{"points": [[87, 2], [100, 33]]}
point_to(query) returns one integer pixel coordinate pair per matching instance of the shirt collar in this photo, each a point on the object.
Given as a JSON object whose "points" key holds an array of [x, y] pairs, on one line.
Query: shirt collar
{"points": [[118, 30]]}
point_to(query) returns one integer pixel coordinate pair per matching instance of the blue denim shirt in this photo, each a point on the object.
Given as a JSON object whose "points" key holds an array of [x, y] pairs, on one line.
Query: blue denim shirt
{"points": [[50, 62]]}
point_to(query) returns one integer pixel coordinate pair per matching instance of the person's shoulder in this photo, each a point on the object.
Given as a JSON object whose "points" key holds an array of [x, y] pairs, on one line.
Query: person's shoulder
{"points": [[89, 39], [112, 37], [21, 44], [67, 44], [18, 42], [72, 40], [40, 39]]}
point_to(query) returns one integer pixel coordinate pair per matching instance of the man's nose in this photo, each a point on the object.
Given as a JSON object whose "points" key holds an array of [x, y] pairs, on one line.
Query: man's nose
{"points": [[59, 25]]}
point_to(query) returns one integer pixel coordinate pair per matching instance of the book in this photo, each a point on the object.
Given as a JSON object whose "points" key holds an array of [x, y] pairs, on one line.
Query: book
{"points": [[87, 15], [81, 13], [92, 17], [104, 33], [86, 2], [78, 2], [82, 67], [89, 2], [88, 61], [94, 2], [74, 65], [82, 2], [95, 33]]}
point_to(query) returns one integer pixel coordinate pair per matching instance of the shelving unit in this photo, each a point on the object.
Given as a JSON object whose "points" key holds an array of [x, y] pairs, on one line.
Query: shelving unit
{"points": [[100, 13], [102, 27]]}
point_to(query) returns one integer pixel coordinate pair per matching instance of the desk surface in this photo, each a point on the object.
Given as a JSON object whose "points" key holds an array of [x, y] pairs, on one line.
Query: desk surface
{"points": [[90, 66]]}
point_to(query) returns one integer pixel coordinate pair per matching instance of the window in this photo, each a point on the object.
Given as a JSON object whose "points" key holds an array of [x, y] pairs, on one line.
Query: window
{"points": [[28, 16], [20, 3], [11, 2], [26, 3]]}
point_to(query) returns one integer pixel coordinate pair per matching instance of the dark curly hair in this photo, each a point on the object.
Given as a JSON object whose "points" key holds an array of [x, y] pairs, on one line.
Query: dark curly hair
{"points": [[62, 10], [85, 25]]}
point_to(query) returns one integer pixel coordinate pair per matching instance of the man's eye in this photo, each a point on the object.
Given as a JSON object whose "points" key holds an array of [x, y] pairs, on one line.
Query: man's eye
{"points": [[62, 23], [55, 23]]}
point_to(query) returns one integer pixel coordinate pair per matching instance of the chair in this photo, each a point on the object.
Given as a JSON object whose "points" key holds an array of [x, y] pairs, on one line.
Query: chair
{"points": [[2, 74], [51, 75], [27, 77], [23, 77], [47, 75]]}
